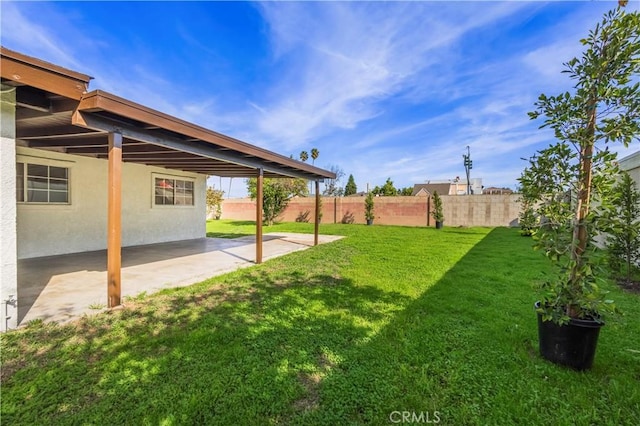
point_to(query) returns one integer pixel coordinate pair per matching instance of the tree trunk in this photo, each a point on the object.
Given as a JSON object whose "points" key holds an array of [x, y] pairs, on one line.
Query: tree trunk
{"points": [[629, 249], [580, 234]]}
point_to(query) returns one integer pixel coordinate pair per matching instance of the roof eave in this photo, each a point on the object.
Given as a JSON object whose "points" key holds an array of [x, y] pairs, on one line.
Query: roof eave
{"points": [[26, 70], [97, 101]]}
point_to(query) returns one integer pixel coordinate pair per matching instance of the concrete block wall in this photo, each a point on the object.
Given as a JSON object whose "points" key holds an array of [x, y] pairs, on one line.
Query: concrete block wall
{"points": [[481, 210], [472, 210], [239, 209]]}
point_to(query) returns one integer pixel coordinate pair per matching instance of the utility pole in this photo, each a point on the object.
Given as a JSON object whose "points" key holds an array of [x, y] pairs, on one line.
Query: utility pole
{"points": [[468, 165]]}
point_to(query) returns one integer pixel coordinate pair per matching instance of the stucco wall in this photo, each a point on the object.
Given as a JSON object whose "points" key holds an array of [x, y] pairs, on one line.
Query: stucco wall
{"points": [[463, 210], [45, 230], [8, 259], [631, 164]]}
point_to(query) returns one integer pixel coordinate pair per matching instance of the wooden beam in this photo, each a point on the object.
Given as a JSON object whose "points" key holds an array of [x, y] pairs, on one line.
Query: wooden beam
{"points": [[89, 140], [178, 161], [99, 100], [25, 114], [39, 74], [317, 224], [33, 99], [259, 195], [114, 220], [35, 104], [53, 132], [63, 106], [92, 145], [203, 149]]}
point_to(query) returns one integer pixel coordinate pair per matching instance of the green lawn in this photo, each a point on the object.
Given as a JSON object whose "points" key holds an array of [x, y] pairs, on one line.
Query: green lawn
{"points": [[388, 319]]}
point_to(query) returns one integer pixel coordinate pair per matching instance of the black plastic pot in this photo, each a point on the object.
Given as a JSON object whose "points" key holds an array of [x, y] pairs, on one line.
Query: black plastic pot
{"points": [[369, 222], [572, 345], [439, 224]]}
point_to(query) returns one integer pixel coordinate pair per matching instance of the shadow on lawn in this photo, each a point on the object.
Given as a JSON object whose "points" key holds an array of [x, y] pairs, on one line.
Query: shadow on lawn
{"points": [[268, 345], [467, 348], [229, 354], [228, 235]]}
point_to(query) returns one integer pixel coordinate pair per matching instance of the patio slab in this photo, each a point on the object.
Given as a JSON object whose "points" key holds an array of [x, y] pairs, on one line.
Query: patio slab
{"points": [[63, 288]]}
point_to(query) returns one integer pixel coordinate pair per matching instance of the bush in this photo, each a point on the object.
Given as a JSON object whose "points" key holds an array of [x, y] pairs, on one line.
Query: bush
{"points": [[368, 207], [437, 213], [624, 240]]}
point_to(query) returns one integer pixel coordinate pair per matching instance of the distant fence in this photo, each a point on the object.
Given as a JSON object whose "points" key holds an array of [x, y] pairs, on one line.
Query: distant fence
{"points": [[459, 210]]}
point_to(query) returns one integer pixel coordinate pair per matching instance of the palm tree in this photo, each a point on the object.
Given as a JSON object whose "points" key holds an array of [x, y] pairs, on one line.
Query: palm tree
{"points": [[314, 155]]}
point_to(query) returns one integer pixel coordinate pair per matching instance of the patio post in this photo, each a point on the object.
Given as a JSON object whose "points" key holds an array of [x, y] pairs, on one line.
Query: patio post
{"points": [[114, 220], [259, 216], [317, 224]]}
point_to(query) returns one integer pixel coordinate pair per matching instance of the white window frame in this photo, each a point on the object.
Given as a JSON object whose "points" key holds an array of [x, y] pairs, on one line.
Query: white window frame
{"points": [[25, 182], [181, 178]]}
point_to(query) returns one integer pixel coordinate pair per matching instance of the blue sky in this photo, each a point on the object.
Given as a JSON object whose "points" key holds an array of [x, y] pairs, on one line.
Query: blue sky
{"points": [[395, 89]]}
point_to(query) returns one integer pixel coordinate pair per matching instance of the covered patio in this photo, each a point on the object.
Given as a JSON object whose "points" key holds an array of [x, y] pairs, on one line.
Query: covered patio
{"points": [[54, 123], [65, 287]]}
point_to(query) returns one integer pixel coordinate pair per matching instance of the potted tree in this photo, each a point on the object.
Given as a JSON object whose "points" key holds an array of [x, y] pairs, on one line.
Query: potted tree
{"points": [[368, 208], [437, 213], [570, 183]]}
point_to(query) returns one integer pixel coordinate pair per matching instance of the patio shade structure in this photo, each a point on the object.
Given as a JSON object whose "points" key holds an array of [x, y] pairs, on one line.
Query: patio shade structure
{"points": [[55, 111]]}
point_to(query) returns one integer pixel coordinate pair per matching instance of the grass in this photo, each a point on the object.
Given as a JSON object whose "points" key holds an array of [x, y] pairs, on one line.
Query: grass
{"points": [[387, 319]]}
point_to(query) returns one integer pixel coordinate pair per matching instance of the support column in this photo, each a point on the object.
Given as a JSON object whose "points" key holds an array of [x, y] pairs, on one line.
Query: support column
{"points": [[317, 224], [259, 195], [114, 221], [8, 211]]}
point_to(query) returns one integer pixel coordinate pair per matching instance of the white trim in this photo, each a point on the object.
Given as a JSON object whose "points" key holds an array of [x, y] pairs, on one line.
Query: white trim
{"points": [[45, 161], [41, 161], [155, 175]]}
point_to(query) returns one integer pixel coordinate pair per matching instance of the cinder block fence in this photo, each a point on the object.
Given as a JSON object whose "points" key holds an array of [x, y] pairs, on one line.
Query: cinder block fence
{"points": [[459, 210]]}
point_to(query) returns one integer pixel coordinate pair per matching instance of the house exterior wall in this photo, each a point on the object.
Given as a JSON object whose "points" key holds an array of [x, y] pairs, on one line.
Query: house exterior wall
{"points": [[467, 210], [81, 225], [631, 164], [8, 235]]}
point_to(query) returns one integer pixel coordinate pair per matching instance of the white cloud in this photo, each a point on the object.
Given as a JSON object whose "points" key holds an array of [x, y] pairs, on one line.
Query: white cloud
{"points": [[23, 34], [392, 89], [342, 59]]}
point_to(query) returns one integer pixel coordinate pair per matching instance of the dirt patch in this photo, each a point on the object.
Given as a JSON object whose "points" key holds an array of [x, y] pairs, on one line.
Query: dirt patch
{"points": [[311, 383]]}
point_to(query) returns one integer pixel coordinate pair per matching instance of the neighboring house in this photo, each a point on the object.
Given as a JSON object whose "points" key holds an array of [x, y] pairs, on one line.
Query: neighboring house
{"points": [[427, 189], [83, 171], [447, 187], [631, 164], [492, 190]]}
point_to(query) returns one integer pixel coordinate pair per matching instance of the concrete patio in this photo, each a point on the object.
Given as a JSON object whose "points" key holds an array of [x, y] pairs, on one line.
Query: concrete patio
{"points": [[62, 288]]}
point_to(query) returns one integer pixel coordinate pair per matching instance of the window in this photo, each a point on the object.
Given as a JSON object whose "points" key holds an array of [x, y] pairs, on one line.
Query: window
{"points": [[173, 192], [20, 182], [39, 183]]}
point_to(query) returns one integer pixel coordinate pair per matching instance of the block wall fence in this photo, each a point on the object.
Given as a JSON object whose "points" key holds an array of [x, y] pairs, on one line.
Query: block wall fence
{"points": [[459, 210]]}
